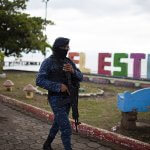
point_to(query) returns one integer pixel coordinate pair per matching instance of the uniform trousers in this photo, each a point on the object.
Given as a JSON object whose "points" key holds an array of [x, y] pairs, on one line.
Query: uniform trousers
{"points": [[61, 121]]}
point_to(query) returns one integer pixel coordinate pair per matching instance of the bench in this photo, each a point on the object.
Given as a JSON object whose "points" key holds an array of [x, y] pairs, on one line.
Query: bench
{"points": [[132, 103]]}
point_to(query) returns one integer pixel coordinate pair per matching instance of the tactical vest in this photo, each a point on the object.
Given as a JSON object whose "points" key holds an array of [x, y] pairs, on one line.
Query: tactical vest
{"points": [[57, 74]]}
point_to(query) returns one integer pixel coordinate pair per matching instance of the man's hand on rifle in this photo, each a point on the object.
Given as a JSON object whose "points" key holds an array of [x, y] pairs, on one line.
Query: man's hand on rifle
{"points": [[64, 88], [68, 68]]}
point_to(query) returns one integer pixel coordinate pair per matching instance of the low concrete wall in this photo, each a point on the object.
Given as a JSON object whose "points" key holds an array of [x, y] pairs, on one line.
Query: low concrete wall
{"points": [[84, 129], [117, 81]]}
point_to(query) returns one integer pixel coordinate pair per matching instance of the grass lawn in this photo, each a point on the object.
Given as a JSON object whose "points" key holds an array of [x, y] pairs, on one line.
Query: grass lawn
{"points": [[99, 111]]}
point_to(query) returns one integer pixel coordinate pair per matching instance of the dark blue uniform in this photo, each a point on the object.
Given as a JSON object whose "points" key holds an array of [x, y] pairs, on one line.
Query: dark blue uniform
{"points": [[50, 77]]}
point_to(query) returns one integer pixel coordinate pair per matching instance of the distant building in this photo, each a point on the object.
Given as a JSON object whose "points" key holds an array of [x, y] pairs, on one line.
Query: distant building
{"points": [[28, 62]]}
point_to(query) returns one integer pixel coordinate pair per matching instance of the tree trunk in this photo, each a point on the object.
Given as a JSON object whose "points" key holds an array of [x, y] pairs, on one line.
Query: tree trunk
{"points": [[1, 62]]}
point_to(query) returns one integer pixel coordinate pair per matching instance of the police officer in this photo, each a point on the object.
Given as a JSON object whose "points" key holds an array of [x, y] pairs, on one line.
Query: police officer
{"points": [[52, 77]]}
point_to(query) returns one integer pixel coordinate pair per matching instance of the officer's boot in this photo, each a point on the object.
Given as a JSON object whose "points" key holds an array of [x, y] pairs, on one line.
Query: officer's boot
{"points": [[47, 144]]}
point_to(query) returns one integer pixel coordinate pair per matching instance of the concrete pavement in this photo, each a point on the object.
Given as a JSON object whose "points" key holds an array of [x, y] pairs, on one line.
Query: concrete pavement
{"points": [[20, 131]]}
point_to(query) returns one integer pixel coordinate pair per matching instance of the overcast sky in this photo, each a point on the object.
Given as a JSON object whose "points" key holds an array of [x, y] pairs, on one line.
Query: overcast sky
{"points": [[98, 25]]}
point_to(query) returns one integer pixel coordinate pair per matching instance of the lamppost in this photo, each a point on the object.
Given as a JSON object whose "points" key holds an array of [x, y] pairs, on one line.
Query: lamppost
{"points": [[46, 2]]}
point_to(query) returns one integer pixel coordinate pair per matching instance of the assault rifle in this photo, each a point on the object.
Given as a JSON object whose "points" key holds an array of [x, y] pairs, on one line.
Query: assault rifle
{"points": [[73, 90]]}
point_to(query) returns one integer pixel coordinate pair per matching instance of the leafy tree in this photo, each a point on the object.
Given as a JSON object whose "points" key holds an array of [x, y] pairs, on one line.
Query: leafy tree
{"points": [[18, 31]]}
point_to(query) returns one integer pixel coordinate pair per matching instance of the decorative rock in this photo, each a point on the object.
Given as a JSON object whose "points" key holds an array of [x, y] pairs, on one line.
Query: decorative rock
{"points": [[123, 83], [91, 79], [86, 79], [101, 92], [3, 75], [144, 85], [137, 84], [29, 89], [112, 81], [81, 95], [81, 90], [93, 94], [101, 81], [8, 84]]}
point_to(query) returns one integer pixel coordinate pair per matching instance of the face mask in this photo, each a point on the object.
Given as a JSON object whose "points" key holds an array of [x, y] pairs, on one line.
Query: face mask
{"points": [[60, 53]]}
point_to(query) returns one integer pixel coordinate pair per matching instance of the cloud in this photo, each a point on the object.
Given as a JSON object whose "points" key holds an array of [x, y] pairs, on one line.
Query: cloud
{"points": [[143, 6], [98, 25], [104, 7], [96, 7]]}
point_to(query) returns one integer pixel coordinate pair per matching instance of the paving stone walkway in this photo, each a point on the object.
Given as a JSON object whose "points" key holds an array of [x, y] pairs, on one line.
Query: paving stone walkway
{"points": [[21, 131]]}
